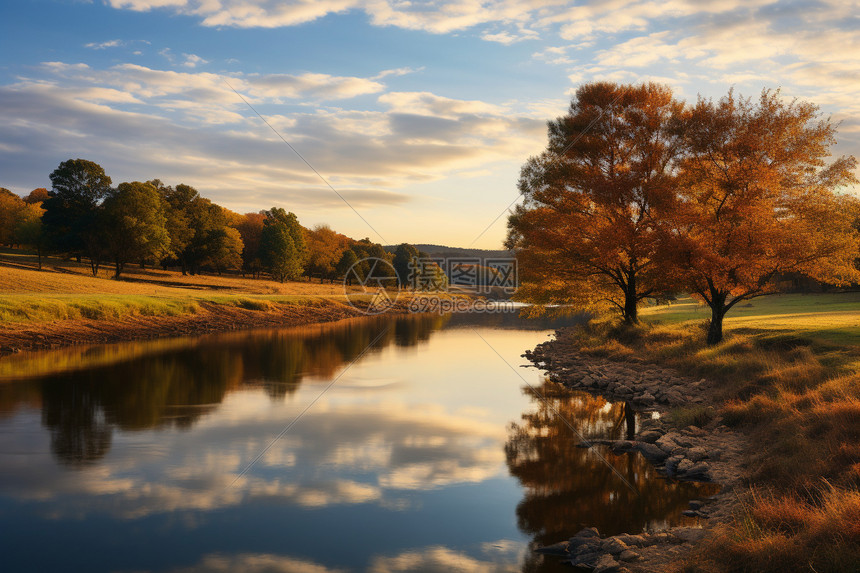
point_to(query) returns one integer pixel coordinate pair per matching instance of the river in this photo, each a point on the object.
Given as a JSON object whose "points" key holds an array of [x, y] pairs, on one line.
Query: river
{"points": [[382, 445]]}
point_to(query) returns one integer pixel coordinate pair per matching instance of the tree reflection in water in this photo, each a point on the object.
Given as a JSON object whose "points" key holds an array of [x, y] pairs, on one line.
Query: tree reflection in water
{"points": [[176, 386], [569, 487]]}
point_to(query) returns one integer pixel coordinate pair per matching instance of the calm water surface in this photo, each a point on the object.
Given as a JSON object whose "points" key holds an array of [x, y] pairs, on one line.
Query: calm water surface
{"points": [[428, 453]]}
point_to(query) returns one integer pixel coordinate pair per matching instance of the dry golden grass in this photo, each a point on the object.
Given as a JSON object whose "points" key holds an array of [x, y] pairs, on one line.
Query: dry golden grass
{"points": [[66, 290], [775, 533], [18, 275], [791, 380]]}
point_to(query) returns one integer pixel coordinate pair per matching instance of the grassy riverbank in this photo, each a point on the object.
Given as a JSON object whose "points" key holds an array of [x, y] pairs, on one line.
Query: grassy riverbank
{"points": [[788, 375], [64, 304]]}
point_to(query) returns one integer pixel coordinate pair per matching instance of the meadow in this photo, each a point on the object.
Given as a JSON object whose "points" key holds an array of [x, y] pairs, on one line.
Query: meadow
{"points": [[67, 304]]}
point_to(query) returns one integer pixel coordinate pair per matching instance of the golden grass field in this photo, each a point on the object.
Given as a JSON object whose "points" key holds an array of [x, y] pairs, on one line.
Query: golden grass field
{"points": [[69, 277], [65, 289], [63, 304]]}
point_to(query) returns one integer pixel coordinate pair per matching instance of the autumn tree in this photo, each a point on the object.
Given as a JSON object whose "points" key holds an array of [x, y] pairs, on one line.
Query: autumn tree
{"points": [[251, 230], [199, 230], [405, 256], [349, 266], [177, 218], [294, 228], [429, 276], [29, 231], [225, 249], [11, 206], [325, 247], [36, 196], [72, 209], [278, 251], [380, 270], [585, 232], [134, 224], [758, 198]]}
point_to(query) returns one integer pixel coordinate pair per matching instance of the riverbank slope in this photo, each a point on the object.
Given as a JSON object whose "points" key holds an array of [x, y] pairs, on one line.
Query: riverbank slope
{"points": [[779, 403], [63, 304]]}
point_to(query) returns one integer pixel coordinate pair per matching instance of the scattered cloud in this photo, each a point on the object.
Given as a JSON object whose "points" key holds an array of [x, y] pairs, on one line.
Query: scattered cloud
{"points": [[117, 43], [556, 55], [508, 38], [254, 563], [437, 559], [400, 449], [397, 72], [311, 85], [193, 60], [104, 45], [190, 126]]}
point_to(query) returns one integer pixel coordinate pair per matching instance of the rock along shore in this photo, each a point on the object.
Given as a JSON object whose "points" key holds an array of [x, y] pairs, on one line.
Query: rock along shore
{"points": [[708, 454]]}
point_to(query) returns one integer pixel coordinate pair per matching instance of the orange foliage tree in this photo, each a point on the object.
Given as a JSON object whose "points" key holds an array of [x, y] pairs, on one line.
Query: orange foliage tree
{"points": [[757, 198], [11, 206], [586, 234], [251, 230], [325, 248]]}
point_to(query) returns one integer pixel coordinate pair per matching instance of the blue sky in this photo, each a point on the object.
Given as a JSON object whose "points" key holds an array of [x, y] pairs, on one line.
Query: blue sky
{"points": [[420, 114]]}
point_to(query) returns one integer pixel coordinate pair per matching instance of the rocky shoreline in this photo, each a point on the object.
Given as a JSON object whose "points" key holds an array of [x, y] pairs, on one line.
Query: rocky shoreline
{"points": [[711, 453]]}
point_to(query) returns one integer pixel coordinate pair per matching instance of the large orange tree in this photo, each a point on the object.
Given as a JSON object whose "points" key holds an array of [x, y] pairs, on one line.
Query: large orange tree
{"points": [[586, 231], [757, 197]]}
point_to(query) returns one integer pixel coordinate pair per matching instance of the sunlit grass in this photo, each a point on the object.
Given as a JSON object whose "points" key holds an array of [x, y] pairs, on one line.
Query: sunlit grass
{"points": [[788, 373], [773, 533], [66, 290], [30, 308], [831, 317]]}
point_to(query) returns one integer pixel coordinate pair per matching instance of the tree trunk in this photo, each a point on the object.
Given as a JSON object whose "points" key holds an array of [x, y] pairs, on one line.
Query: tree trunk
{"points": [[119, 266], [631, 302], [39, 256], [630, 420], [718, 311]]}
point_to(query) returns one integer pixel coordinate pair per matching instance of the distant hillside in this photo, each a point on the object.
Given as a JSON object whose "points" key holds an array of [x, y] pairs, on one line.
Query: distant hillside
{"points": [[439, 251]]}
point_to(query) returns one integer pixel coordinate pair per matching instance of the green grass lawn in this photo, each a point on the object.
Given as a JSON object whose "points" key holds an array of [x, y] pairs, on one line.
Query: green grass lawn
{"points": [[828, 317]]}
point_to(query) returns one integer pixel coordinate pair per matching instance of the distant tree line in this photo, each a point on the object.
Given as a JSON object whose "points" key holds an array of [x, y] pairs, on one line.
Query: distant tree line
{"points": [[150, 223]]}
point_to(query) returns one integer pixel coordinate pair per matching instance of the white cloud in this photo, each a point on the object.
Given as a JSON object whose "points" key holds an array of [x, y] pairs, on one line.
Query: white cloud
{"points": [[397, 72], [508, 38], [103, 45], [311, 85], [437, 17], [403, 448], [254, 563], [193, 60], [189, 126], [553, 55], [426, 103], [443, 560]]}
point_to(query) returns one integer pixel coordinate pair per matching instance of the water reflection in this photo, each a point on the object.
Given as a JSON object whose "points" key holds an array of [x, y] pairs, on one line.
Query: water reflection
{"points": [[568, 487], [406, 464], [131, 391]]}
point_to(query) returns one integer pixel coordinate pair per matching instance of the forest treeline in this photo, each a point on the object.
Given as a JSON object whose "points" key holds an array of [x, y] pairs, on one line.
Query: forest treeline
{"points": [[151, 223]]}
